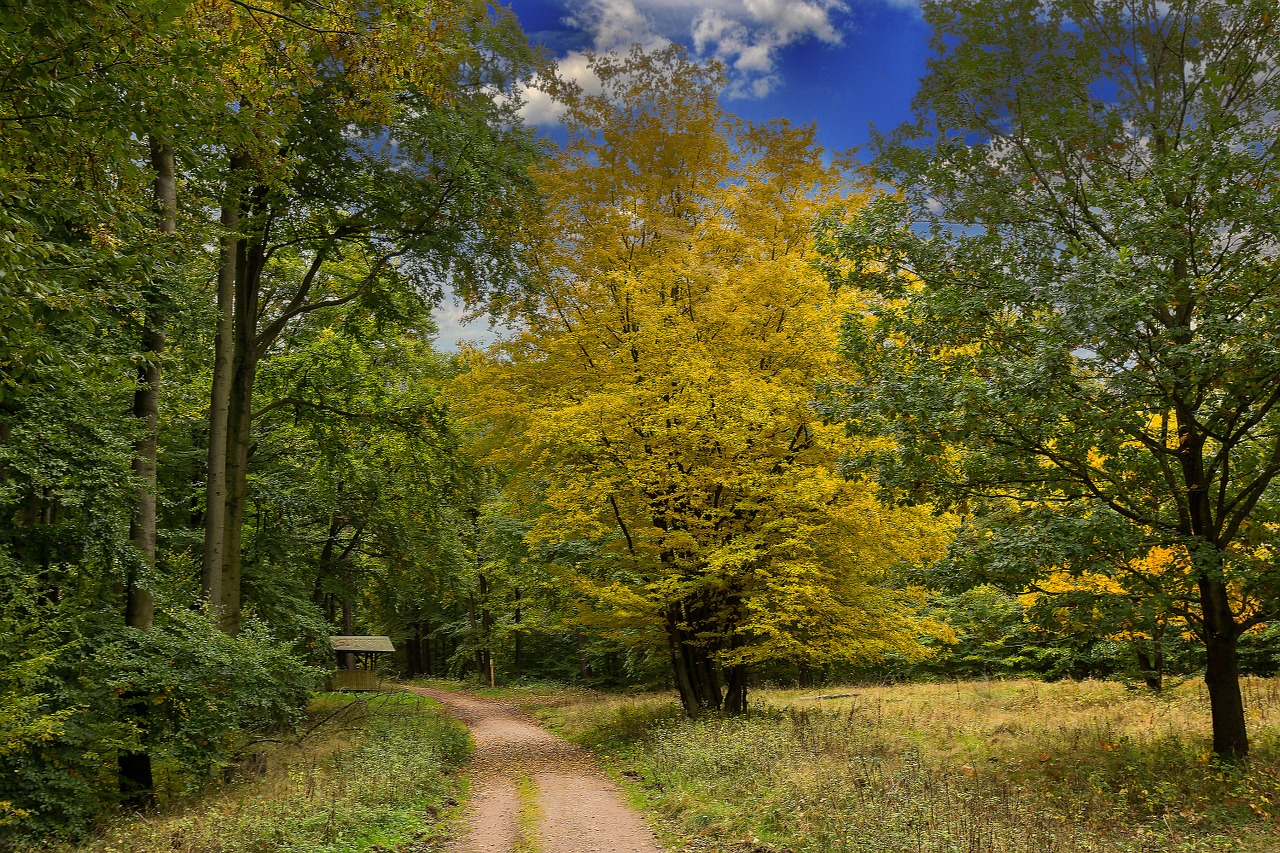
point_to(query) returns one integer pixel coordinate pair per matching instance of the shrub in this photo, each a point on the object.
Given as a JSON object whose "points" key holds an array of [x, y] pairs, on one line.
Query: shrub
{"points": [[78, 689]]}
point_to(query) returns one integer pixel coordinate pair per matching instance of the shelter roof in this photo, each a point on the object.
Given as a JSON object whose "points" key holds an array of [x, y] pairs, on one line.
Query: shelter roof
{"points": [[362, 644]]}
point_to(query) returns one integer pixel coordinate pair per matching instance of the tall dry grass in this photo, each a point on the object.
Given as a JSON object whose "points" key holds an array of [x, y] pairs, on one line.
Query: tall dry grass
{"points": [[971, 767]]}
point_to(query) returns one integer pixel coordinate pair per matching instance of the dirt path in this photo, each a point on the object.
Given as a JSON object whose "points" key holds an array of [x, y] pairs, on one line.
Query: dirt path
{"points": [[581, 810]]}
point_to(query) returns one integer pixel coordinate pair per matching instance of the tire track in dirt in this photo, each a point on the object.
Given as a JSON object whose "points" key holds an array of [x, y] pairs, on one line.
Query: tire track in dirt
{"points": [[582, 811]]}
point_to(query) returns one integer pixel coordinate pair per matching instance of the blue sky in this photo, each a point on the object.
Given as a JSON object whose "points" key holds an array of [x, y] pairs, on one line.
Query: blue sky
{"points": [[841, 64]]}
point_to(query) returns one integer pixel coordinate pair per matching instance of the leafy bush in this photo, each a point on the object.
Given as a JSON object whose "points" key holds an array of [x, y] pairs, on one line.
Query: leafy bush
{"points": [[373, 774], [78, 690]]}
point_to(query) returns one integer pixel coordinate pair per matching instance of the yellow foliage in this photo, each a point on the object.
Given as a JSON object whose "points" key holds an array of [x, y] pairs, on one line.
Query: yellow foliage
{"points": [[273, 50], [659, 399]]}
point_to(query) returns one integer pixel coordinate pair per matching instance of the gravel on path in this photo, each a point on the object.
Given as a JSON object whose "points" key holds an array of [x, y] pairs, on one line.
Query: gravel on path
{"points": [[582, 810]]}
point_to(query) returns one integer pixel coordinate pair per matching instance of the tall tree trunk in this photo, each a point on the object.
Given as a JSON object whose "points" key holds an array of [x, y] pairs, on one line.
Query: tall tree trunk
{"points": [[679, 664], [735, 695], [348, 614], [695, 675], [139, 603], [244, 368], [427, 669], [517, 635], [1222, 672], [413, 650], [220, 395], [1150, 674], [324, 566], [486, 625], [580, 643], [1220, 630], [1151, 661], [708, 680], [137, 786], [475, 633]]}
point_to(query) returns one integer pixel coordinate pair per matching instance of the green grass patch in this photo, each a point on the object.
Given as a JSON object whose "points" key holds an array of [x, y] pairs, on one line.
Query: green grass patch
{"points": [[529, 817], [373, 772]]}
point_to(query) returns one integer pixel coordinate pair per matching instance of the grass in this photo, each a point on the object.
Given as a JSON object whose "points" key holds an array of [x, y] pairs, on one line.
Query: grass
{"points": [[529, 817], [977, 767], [376, 774]]}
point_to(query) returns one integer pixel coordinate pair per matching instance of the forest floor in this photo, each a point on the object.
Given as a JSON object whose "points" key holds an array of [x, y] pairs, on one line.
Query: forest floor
{"points": [[534, 792]]}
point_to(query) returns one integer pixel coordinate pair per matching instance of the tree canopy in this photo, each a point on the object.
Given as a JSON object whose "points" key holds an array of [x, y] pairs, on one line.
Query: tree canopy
{"points": [[662, 389]]}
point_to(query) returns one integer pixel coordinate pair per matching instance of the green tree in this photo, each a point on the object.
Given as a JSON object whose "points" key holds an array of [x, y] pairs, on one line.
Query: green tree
{"points": [[1073, 304], [383, 160], [355, 471], [334, 136]]}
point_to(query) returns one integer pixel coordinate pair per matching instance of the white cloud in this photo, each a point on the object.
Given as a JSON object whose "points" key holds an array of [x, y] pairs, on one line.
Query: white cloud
{"points": [[745, 35], [615, 25], [539, 107], [790, 20], [457, 326]]}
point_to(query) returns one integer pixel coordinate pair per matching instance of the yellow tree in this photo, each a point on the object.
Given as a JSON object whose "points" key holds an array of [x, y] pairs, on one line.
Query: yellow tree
{"points": [[658, 401]]}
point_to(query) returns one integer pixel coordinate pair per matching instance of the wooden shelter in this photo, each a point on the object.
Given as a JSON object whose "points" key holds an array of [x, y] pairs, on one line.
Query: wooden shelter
{"points": [[358, 661]]}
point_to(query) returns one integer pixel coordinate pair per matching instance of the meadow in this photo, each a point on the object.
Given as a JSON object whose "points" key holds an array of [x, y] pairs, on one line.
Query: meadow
{"points": [[1013, 766], [369, 773]]}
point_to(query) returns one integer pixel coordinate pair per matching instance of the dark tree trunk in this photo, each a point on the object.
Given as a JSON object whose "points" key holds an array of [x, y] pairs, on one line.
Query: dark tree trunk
{"points": [[517, 636], [695, 675], [414, 651], [735, 698], [139, 603], [486, 626], [244, 368], [137, 788], [684, 680], [475, 634], [1220, 630], [580, 645], [1222, 673], [6, 431], [348, 615], [1151, 672], [324, 566], [427, 668], [1151, 662]]}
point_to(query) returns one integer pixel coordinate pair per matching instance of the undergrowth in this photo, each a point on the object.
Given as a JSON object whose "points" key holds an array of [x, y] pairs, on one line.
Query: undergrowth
{"points": [[375, 774], [988, 767]]}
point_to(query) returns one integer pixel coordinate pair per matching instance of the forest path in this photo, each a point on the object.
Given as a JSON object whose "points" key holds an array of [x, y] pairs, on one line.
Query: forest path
{"points": [[579, 809]]}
